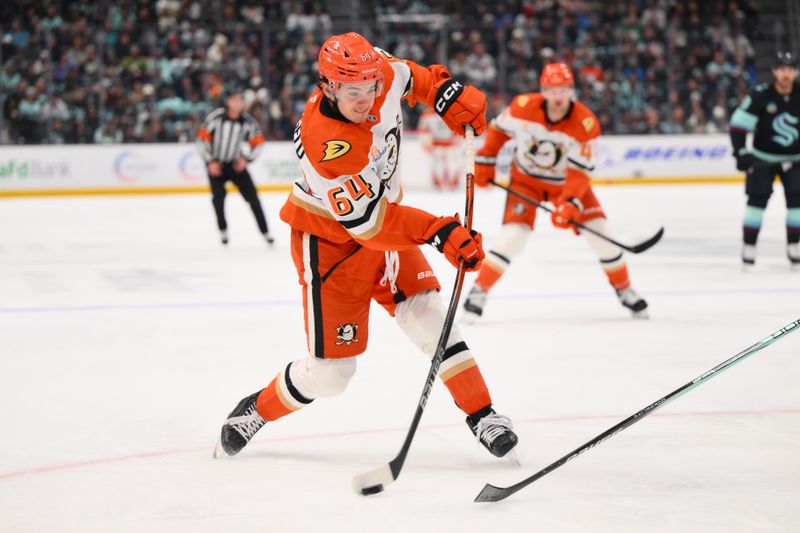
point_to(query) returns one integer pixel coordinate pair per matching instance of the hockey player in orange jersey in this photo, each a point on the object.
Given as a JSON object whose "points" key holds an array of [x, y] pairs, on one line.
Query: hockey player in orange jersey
{"points": [[444, 148], [352, 241], [554, 139]]}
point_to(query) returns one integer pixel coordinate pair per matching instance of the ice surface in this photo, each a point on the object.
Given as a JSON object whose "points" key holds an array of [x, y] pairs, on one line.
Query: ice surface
{"points": [[127, 333]]}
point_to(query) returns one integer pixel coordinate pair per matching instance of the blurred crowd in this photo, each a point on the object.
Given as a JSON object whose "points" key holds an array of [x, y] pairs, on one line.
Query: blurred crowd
{"points": [[83, 71]]}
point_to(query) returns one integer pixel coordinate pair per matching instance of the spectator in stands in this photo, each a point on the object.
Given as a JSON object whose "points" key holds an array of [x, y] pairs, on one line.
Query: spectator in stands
{"points": [[107, 59], [109, 132], [481, 70]]}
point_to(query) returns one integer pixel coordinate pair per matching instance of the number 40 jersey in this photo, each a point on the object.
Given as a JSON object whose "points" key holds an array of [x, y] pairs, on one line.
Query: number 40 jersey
{"points": [[555, 154]]}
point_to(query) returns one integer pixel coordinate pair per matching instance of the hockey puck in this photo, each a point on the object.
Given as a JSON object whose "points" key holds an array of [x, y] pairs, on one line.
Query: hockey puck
{"points": [[375, 489]]}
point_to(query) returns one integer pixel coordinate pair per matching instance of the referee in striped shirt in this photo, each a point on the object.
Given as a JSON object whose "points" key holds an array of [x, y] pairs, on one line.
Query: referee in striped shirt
{"points": [[220, 142]]}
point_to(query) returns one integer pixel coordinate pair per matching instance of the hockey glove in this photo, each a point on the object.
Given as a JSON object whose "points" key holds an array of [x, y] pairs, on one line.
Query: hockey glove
{"points": [[447, 235], [484, 170], [744, 160], [460, 105], [567, 211]]}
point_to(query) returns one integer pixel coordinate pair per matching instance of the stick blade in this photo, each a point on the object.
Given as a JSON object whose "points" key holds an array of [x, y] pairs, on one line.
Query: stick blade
{"points": [[646, 245], [490, 493], [373, 481]]}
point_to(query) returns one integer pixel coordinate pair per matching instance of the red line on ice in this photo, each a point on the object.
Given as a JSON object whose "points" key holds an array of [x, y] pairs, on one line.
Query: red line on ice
{"points": [[163, 453]]}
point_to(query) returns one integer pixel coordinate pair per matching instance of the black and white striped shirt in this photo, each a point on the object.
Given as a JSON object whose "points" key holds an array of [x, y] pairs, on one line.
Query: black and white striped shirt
{"points": [[220, 138]]}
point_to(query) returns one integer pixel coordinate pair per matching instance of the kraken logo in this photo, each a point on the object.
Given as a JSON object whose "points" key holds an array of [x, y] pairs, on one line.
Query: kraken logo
{"points": [[784, 126], [334, 149]]}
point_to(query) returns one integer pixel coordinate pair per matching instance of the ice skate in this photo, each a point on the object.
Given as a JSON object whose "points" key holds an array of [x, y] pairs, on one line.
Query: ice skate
{"points": [[243, 422], [223, 237], [473, 306], [749, 257], [269, 239], [494, 432], [630, 298], [793, 253]]}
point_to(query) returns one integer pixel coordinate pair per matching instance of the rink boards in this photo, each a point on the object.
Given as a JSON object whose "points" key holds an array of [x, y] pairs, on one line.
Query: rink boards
{"points": [[177, 168]]}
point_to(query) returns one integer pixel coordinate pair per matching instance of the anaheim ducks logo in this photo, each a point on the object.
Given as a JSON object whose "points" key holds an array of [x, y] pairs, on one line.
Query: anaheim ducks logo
{"points": [[544, 153], [334, 149], [346, 333], [391, 150]]}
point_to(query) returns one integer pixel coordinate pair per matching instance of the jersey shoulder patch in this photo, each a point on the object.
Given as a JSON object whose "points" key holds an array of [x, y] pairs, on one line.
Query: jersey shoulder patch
{"points": [[332, 147], [589, 126], [525, 106], [335, 148]]}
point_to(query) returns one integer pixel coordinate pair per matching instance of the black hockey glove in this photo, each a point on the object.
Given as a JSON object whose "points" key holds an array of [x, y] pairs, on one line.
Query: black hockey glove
{"points": [[744, 160]]}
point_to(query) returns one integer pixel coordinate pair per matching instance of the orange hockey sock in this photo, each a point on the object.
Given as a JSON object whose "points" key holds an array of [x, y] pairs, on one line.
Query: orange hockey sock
{"points": [[618, 276], [280, 398], [488, 275], [462, 377]]}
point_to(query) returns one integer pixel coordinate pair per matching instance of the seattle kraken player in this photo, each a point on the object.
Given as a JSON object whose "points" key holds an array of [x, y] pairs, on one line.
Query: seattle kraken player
{"points": [[772, 112]]}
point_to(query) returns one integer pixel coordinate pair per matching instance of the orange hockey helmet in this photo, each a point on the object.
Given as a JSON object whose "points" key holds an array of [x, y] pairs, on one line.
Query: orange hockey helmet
{"points": [[349, 58], [557, 75]]}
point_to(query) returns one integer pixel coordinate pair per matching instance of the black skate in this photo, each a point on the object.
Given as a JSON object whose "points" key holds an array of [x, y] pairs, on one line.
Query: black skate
{"points": [[270, 240], [473, 305], [223, 236], [243, 422], [793, 253], [493, 431], [630, 298], [749, 257]]}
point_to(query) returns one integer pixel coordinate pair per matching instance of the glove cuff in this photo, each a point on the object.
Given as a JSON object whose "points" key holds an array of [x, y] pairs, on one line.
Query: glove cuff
{"points": [[485, 160], [577, 203], [448, 92], [438, 239]]}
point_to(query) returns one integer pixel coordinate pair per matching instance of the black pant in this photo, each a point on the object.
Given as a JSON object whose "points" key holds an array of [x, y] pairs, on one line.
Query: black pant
{"points": [[244, 183], [758, 187], [761, 176]]}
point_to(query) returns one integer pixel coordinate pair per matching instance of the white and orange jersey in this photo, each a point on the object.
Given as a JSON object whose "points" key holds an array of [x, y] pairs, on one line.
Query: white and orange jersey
{"points": [[435, 131], [545, 151], [350, 183]]}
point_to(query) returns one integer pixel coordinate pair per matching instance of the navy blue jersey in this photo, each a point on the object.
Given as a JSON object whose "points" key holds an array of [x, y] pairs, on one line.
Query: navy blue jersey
{"points": [[774, 120]]}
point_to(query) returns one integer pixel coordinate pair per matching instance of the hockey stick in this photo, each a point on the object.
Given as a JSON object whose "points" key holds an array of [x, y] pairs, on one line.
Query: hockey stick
{"points": [[635, 249], [374, 481], [490, 493]]}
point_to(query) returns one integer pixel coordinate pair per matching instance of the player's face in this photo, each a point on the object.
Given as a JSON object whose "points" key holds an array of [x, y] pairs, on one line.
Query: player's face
{"points": [[784, 75], [355, 100], [558, 98]]}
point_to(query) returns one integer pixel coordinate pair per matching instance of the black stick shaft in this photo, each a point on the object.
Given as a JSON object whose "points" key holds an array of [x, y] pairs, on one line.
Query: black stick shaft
{"points": [[490, 493], [633, 249], [396, 464]]}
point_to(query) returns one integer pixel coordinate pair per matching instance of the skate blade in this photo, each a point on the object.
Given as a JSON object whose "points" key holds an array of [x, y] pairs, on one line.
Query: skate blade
{"points": [[641, 315], [795, 267], [512, 457], [219, 451]]}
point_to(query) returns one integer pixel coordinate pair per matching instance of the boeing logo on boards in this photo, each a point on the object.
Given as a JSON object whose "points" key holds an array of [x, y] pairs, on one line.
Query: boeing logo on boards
{"points": [[676, 153]]}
